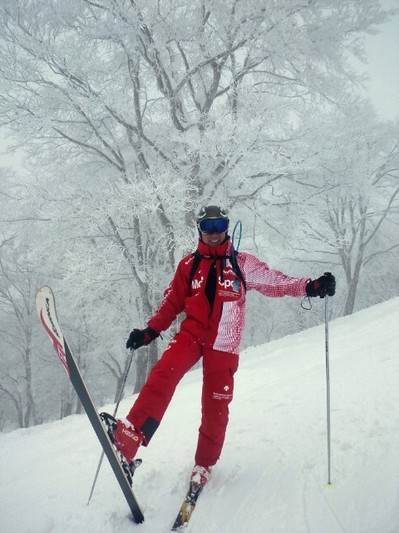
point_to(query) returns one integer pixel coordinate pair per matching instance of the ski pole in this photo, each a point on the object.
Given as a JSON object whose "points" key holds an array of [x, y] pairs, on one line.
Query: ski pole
{"points": [[328, 389], [120, 394]]}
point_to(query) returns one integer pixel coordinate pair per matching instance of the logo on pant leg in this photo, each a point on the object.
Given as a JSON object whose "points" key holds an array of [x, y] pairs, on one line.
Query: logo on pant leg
{"points": [[221, 395]]}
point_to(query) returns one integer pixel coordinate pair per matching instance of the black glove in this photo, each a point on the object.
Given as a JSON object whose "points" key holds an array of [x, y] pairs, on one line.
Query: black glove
{"points": [[141, 337], [323, 286]]}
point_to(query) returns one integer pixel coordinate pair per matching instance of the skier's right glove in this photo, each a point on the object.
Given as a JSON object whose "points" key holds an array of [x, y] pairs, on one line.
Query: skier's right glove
{"points": [[141, 337]]}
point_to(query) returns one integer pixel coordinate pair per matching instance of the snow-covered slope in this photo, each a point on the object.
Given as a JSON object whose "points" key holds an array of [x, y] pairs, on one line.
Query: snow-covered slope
{"points": [[273, 472]]}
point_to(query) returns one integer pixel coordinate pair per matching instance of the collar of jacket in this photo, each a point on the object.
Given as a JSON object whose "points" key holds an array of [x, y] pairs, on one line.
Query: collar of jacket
{"points": [[214, 252]]}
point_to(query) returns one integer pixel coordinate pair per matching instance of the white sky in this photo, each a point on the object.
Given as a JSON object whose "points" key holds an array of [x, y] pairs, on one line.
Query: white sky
{"points": [[383, 66]]}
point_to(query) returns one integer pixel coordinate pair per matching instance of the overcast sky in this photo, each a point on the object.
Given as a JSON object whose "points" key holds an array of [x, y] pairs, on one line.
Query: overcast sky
{"points": [[383, 53]]}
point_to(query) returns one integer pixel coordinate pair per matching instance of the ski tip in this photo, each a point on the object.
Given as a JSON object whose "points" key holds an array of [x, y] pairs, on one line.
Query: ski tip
{"points": [[329, 485], [44, 298], [43, 293], [45, 289]]}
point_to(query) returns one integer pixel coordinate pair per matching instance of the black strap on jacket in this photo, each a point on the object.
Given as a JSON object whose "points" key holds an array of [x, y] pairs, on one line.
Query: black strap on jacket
{"points": [[210, 287], [233, 260]]}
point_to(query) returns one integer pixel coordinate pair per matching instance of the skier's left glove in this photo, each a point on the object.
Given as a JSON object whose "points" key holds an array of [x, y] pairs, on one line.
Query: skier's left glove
{"points": [[322, 286], [141, 337]]}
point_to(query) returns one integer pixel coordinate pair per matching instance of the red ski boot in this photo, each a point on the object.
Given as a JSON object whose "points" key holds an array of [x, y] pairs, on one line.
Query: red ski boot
{"points": [[126, 439]]}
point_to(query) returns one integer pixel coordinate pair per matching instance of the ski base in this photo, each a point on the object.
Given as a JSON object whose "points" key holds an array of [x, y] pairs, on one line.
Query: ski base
{"points": [[45, 304]]}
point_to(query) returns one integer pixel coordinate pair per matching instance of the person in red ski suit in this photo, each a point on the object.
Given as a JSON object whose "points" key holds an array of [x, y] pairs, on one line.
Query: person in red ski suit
{"points": [[213, 298]]}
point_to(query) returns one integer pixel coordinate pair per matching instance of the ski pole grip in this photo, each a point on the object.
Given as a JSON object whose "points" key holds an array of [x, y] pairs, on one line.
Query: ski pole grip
{"points": [[329, 274]]}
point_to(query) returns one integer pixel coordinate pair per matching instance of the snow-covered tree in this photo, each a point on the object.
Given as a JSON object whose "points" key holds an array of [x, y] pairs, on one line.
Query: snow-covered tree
{"points": [[134, 113], [348, 219]]}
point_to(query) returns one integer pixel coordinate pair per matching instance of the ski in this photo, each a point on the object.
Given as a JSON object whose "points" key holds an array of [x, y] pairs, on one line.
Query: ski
{"points": [[45, 305], [188, 506]]}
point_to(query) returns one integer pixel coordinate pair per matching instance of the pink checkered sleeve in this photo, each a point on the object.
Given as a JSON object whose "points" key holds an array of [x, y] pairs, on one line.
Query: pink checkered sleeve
{"points": [[272, 283]]}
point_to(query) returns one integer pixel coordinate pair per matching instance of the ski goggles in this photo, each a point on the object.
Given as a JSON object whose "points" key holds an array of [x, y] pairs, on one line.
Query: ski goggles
{"points": [[213, 225]]}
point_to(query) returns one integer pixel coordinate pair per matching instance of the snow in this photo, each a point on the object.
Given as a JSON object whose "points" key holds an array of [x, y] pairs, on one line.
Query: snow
{"points": [[272, 476]]}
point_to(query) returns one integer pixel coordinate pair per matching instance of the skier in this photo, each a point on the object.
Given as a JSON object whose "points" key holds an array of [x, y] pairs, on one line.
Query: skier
{"points": [[209, 286]]}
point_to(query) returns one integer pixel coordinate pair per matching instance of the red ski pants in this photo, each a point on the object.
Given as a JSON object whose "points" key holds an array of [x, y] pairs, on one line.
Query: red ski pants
{"points": [[217, 392]]}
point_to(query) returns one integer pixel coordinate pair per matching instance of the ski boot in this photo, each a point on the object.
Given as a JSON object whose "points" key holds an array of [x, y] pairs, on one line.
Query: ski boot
{"points": [[126, 440]]}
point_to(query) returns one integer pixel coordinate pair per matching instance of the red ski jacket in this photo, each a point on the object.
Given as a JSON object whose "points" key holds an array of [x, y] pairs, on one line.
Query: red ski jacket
{"points": [[221, 325]]}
